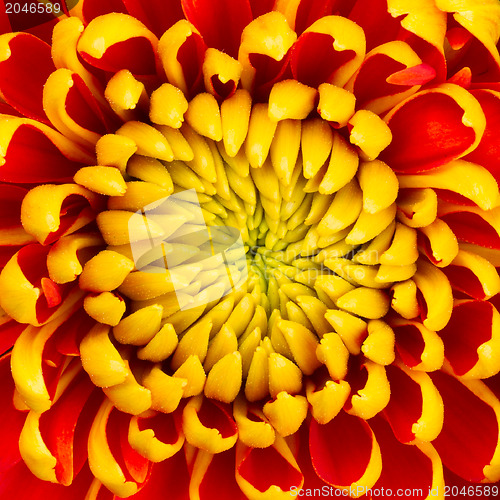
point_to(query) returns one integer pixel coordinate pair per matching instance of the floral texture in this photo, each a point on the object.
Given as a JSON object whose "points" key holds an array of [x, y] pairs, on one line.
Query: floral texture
{"points": [[355, 146]]}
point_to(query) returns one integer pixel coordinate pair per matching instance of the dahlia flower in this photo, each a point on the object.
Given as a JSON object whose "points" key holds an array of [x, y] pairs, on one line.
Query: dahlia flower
{"points": [[249, 249]]}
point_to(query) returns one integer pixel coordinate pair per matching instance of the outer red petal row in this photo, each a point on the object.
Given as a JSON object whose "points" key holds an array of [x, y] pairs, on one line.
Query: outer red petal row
{"points": [[29, 61], [220, 22]]}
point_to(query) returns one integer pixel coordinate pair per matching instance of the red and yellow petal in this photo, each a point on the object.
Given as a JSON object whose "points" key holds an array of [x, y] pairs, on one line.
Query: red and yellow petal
{"points": [[268, 473], [345, 453], [27, 59], [468, 443], [31, 152], [118, 41], [432, 128]]}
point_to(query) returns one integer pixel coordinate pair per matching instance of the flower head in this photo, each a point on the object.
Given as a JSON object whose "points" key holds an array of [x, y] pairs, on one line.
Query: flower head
{"points": [[249, 247]]}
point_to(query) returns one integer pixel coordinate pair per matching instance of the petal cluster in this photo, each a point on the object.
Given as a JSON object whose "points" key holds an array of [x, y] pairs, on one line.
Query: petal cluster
{"points": [[249, 247]]}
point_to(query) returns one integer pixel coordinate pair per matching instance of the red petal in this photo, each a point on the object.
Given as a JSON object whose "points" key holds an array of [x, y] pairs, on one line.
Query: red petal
{"points": [[427, 131], [472, 228], [404, 466], [154, 14], [341, 449], [311, 479], [220, 22], [9, 332], [464, 280], [24, 73], [310, 11], [314, 60], [32, 158], [462, 77], [170, 476], [470, 431], [82, 107], [416, 75], [458, 37], [487, 153], [379, 26], [134, 54], [11, 198], [94, 8], [134, 48], [217, 416], [4, 22], [460, 345], [260, 7], [6, 253], [460, 487], [405, 406], [68, 336], [52, 292], [372, 81], [59, 423], [221, 472], [134, 466], [11, 420], [21, 484], [265, 467]]}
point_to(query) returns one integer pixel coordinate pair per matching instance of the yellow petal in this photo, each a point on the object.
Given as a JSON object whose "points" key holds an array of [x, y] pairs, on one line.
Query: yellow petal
{"points": [[417, 207], [334, 354], [336, 104], [316, 144], [283, 375], [218, 65], [352, 330], [374, 396], [102, 180], [166, 391], [100, 358], [101, 461], [379, 345], [106, 308], [342, 166], [379, 185], [268, 35], [105, 272], [148, 445], [443, 243], [201, 436], [302, 343], [125, 93], [366, 302], [370, 133], [225, 378], [115, 150], [327, 402], [286, 413], [290, 99], [161, 346], [260, 135], [235, 116], [149, 141], [465, 178], [192, 371], [436, 290], [203, 115], [129, 396], [168, 106], [254, 433]]}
